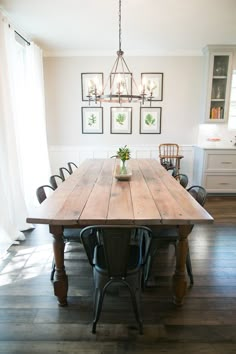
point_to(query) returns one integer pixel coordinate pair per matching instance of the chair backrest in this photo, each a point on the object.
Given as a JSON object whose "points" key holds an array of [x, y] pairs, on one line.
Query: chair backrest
{"points": [[64, 173], [199, 193], [168, 154], [55, 180], [174, 172], [71, 167], [182, 179], [43, 191], [168, 150], [115, 243]]}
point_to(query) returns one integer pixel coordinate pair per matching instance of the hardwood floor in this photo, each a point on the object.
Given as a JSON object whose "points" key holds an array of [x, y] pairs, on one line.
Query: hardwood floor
{"points": [[31, 321]]}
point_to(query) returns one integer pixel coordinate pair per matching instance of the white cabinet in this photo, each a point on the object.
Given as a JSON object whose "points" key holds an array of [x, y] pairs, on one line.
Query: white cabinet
{"points": [[215, 169], [218, 84]]}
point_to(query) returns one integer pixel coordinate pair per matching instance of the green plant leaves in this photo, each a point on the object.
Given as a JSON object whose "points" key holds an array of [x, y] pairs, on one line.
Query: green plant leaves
{"points": [[149, 120], [123, 153], [92, 120], [120, 119]]}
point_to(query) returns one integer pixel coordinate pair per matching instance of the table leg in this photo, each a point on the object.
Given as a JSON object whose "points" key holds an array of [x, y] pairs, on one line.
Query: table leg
{"points": [[60, 281], [179, 278]]}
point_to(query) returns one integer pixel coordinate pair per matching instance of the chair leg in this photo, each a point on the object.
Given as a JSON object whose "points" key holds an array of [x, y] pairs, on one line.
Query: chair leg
{"points": [[135, 296], [189, 267], [98, 301], [146, 271]]}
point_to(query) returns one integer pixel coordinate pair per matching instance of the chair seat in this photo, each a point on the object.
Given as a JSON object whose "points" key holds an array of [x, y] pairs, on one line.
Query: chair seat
{"points": [[72, 234], [170, 232]]}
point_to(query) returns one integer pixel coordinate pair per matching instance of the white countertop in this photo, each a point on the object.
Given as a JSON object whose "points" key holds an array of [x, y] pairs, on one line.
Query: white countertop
{"points": [[217, 145]]}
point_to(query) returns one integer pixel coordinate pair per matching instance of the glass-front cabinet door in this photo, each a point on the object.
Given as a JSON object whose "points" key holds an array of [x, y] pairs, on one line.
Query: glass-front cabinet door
{"points": [[219, 60]]}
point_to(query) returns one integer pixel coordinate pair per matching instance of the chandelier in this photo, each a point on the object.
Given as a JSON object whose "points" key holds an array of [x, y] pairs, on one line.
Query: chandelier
{"points": [[120, 84]]}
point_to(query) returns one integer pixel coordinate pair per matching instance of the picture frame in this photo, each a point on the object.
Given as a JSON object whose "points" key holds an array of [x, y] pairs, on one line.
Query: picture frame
{"points": [[155, 79], [150, 120], [121, 120], [92, 120], [126, 87], [89, 81]]}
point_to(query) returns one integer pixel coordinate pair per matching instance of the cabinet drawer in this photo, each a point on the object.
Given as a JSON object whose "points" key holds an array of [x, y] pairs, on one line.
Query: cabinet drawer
{"points": [[220, 182], [221, 162]]}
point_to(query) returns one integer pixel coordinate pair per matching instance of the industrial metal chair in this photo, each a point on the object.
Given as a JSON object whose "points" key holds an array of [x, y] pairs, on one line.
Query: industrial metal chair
{"points": [[169, 156], [170, 235], [182, 179], [117, 255], [43, 192], [69, 234], [55, 180], [71, 167], [64, 173]]}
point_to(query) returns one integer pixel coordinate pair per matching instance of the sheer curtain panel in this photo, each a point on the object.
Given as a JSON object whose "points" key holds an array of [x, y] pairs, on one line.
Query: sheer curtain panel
{"points": [[15, 192]]}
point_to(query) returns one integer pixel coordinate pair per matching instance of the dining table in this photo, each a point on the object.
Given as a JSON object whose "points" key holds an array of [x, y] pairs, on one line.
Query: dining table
{"points": [[95, 195]]}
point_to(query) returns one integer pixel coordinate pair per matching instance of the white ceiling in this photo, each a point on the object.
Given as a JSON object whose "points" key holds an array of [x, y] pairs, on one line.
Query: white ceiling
{"points": [[149, 27]]}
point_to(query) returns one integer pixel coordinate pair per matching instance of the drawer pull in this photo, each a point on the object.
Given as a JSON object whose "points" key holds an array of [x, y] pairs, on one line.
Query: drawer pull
{"points": [[224, 183], [226, 163]]}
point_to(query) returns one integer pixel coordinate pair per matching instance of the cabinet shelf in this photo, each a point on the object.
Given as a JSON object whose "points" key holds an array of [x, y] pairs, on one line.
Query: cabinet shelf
{"points": [[219, 77], [219, 62]]}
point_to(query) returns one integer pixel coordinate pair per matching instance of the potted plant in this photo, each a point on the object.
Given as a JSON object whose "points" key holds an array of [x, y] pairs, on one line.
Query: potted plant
{"points": [[124, 154]]}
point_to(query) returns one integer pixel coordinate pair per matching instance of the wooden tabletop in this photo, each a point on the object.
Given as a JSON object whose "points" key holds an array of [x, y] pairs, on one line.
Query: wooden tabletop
{"points": [[92, 195]]}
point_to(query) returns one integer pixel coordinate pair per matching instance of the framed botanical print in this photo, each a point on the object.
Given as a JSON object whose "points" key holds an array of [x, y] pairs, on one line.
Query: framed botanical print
{"points": [[121, 82], [121, 120], [150, 120], [92, 120], [153, 85], [90, 82]]}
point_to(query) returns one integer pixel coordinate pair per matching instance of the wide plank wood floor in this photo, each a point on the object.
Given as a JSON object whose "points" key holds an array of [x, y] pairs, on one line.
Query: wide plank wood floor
{"points": [[31, 321]]}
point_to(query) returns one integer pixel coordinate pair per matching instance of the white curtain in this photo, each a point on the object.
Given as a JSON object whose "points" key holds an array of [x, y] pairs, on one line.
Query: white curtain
{"points": [[31, 130], [23, 146]]}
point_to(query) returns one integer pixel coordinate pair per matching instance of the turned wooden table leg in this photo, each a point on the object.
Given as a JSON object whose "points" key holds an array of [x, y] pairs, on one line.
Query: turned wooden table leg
{"points": [[179, 278], [60, 281]]}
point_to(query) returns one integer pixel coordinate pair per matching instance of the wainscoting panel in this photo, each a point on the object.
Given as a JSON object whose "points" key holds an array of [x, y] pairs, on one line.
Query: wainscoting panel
{"points": [[60, 155]]}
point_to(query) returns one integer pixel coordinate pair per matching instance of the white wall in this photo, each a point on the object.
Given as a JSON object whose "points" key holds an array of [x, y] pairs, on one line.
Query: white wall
{"points": [[181, 108]]}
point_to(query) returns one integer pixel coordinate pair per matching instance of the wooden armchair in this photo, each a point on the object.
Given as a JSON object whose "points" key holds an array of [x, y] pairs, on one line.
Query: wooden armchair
{"points": [[169, 156]]}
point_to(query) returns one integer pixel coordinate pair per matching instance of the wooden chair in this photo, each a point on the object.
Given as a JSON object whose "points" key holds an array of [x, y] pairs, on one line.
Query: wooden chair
{"points": [[170, 235], [69, 234], [169, 156], [117, 255]]}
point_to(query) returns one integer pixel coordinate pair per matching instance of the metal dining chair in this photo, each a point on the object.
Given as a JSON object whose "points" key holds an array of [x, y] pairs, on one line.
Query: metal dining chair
{"points": [[55, 180], [182, 179], [71, 167], [117, 255], [170, 235], [64, 173], [43, 192]]}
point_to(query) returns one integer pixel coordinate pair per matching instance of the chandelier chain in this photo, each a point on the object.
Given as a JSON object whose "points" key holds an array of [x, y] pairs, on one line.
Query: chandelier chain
{"points": [[121, 82], [119, 25]]}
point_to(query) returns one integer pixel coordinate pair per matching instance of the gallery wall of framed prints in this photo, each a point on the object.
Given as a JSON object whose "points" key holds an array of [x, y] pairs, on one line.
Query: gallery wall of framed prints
{"points": [[121, 118]]}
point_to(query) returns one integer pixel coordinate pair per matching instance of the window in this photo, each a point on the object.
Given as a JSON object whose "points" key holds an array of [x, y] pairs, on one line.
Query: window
{"points": [[232, 106]]}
